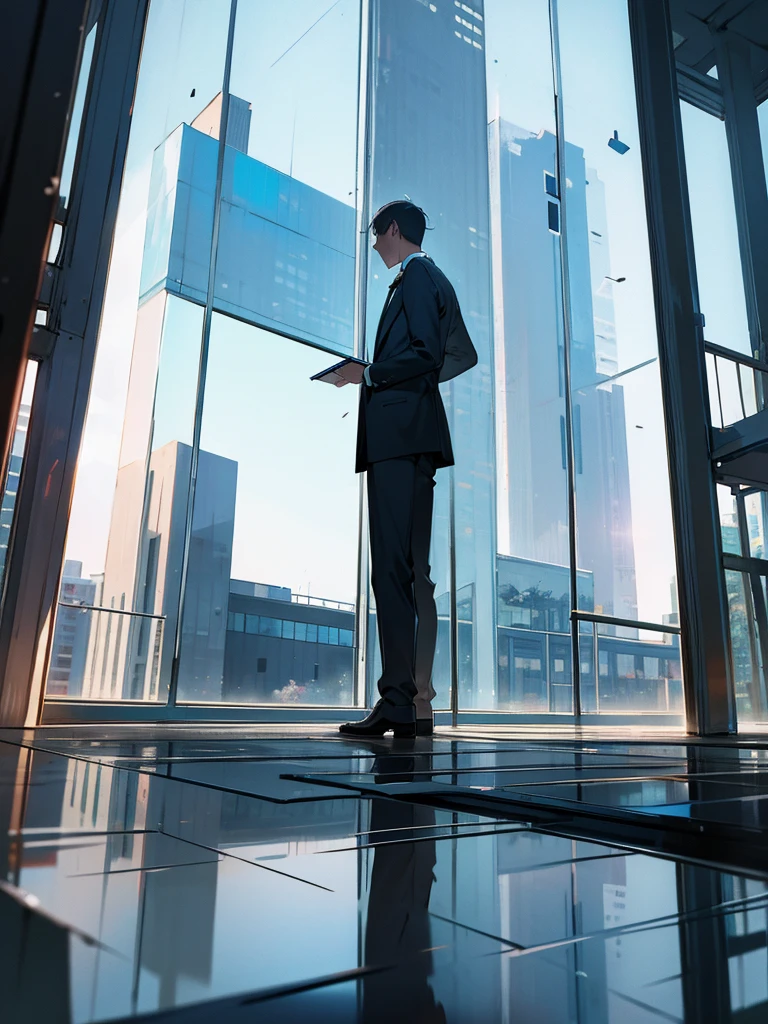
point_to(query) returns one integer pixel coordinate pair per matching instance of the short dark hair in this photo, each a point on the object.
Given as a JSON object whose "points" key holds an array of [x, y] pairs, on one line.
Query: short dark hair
{"points": [[411, 220]]}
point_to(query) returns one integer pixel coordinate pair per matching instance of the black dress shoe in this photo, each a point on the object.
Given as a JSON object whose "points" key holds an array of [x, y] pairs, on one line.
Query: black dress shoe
{"points": [[424, 726], [385, 717]]}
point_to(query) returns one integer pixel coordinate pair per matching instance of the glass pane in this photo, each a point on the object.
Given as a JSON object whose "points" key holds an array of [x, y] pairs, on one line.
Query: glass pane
{"points": [[755, 508], [15, 462], [612, 308], [762, 119], [625, 538], [532, 497], [76, 118], [715, 410], [587, 668], [129, 508], [624, 521], [274, 529], [286, 255], [640, 672], [729, 521], [748, 674], [715, 236], [732, 396]]}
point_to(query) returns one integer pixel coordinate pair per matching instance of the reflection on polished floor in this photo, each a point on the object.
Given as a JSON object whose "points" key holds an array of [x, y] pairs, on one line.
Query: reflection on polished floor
{"points": [[263, 874]]}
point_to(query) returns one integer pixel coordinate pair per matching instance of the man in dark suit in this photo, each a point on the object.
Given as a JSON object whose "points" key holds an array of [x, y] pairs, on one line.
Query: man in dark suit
{"points": [[402, 439]]}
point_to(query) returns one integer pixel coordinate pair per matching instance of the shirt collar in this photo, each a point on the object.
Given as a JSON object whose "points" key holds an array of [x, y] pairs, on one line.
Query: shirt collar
{"points": [[407, 259]]}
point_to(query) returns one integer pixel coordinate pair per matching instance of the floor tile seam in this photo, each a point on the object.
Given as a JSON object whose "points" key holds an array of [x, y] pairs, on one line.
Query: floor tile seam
{"points": [[385, 752], [651, 815], [652, 924], [682, 829], [412, 828], [683, 741], [592, 752], [522, 827], [608, 812], [628, 846], [144, 868], [750, 797], [490, 769], [196, 782], [574, 861], [474, 930], [252, 863], [672, 777], [758, 740]]}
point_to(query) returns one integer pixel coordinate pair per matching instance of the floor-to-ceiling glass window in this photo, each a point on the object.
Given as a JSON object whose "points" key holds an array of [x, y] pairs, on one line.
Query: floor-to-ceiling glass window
{"points": [[215, 553], [534, 560], [213, 538], [124, 543], [724, 136], [622, 499], [571, 267], [715, 234]]}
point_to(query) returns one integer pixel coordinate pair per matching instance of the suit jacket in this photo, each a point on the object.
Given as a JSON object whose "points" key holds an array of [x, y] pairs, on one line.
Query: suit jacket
{"points": [[421, 341]]}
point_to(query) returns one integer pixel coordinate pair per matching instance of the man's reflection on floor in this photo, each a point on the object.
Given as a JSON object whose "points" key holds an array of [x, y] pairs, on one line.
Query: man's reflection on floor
{"points": [[398, 931]]}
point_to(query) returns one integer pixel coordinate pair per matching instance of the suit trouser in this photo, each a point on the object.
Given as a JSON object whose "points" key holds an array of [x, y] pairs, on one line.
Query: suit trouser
{"points": [[400, 500]]}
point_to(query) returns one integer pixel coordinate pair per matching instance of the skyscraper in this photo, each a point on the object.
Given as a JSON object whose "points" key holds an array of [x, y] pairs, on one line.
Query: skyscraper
{"points": [[130, 655], [529, 336]]}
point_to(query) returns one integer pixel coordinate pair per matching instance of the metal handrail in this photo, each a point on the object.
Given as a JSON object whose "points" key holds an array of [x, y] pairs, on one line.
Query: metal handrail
{"points": [[114, 611], [735, 357], [322, 602], [738, 360], [612, 620]]}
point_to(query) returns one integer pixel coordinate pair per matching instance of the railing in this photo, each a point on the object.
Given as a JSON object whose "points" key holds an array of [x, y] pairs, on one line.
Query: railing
{"points": [[663, 691], [738, 384], [322, 602], [112, 611], [102, 653]]}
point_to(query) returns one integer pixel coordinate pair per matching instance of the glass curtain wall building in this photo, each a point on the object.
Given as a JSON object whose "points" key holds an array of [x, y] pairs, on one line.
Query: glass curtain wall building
{"points": [[217, 547]]}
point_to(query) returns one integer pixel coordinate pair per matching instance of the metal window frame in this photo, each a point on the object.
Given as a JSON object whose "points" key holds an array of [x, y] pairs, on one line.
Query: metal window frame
{"points": [[64, 378], [707, 678], [40, 50], [749, 178]]}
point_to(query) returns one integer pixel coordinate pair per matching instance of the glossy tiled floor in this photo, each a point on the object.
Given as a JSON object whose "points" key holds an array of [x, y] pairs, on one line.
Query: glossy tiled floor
{"points": [[254, 874]]}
